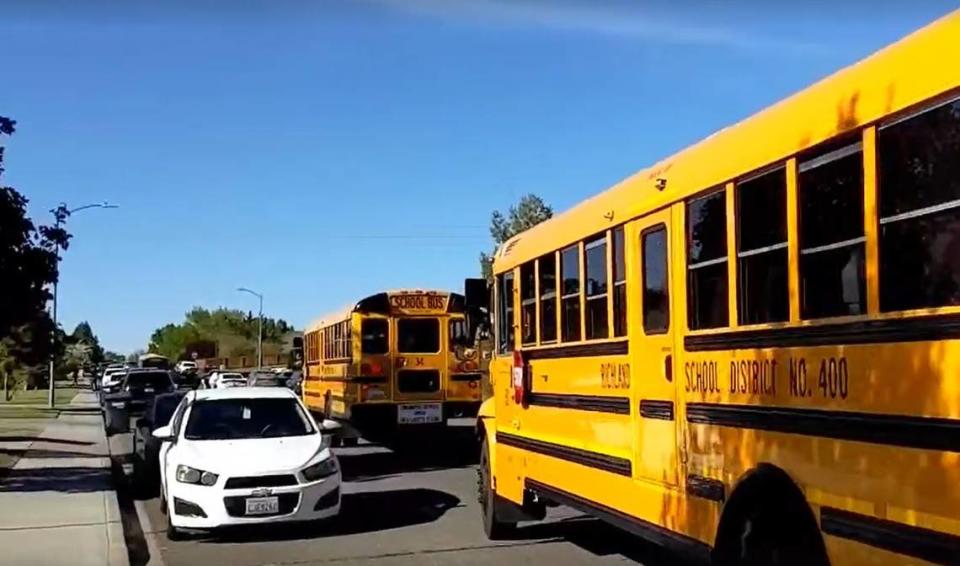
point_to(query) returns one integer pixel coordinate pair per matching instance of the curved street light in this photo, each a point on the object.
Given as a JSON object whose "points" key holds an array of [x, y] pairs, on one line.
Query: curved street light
{"points": [[60, 215], [259, 325]]}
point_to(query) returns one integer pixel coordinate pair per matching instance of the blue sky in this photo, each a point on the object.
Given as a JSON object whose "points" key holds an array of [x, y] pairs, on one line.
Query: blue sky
{"points": [[321, 151]]}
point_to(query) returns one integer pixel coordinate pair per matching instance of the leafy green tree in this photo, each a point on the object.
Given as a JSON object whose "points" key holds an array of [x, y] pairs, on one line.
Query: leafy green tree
{"points": [[83, 334], [28, 263], [230, 332], [528, 212]]}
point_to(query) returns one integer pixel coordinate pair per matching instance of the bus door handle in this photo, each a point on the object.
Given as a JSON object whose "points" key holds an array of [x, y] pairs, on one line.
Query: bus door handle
{"points": [[668, 367]]}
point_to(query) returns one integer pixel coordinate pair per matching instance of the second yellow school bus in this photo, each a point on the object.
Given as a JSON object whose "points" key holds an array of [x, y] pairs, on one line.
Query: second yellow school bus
{"points": [[394, 363], [750, 352]]}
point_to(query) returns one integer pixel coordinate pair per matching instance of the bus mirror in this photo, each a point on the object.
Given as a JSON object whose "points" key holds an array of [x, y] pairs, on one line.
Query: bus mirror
{"points": [[475, 293]]}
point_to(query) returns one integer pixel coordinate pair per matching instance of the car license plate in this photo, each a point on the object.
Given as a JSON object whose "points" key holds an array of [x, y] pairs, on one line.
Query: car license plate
{"points": [[263, 505], [419, 413]]}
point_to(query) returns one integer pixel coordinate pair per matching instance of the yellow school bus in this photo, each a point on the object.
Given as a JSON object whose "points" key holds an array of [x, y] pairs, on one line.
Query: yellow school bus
{"points": [[396, 362], [750, 351]]}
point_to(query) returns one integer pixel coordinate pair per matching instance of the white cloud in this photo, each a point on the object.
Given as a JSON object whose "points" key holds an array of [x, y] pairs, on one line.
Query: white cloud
{"points": [[596, 17]]}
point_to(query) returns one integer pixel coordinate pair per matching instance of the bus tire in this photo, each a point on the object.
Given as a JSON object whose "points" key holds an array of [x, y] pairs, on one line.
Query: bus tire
{"points": [[767, 522], [493, 526]]}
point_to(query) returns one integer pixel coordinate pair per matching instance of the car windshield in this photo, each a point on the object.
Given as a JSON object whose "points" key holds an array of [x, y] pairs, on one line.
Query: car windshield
{"points": [[229, 419], [164, 406], [158, 380]]}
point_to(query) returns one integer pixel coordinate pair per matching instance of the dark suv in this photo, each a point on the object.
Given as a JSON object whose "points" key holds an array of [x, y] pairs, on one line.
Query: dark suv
{"points": [[138, 388]]}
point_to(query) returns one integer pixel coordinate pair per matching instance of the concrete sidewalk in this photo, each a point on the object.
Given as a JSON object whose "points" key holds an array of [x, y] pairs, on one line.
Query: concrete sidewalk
{"points": [[57, 503]]}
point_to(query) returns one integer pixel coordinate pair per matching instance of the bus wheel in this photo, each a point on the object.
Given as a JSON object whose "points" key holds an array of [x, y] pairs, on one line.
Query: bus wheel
{"points": [[770, 525], [493, 527]]}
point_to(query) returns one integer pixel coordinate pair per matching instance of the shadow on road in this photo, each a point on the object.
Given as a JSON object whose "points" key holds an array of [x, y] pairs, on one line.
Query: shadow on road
{"points": [[600, 539], [40, 439], [370, 466], [66, 480], [360, 513], [42, 453]]}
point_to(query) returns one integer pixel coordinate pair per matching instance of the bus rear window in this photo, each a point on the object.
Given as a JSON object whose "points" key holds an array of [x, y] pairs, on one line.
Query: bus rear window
{"points": [[374, 332], [418, 335]]}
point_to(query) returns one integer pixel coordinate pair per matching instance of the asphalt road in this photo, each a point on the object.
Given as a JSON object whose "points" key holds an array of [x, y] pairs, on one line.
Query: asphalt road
{"points": [[396, 509]]}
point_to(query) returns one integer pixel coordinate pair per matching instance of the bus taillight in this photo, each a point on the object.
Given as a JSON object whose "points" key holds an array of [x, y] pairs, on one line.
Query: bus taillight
{"points": [[371, 369], [519, 388]]}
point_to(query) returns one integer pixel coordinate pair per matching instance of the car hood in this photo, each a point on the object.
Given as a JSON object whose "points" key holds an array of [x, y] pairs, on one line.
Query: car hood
{"points": [[252, 456]]}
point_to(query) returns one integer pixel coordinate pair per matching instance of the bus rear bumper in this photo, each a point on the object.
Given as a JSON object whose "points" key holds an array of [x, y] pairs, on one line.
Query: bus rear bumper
{"points": [[375, 420]]}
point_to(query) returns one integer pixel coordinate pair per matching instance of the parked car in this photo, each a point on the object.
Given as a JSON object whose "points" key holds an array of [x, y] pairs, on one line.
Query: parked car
{"points": [[266, 379], [185, 366], [139, 387], [245, 455], [112, 378], [146, 447], [220, 379]]}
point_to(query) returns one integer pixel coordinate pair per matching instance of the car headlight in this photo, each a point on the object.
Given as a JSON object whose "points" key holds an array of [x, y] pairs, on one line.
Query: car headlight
{"points": [[186, 474], [321, 469]]}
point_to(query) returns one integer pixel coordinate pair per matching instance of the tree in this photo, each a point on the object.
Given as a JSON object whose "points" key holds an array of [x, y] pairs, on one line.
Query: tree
{"points": [[134, 356], [528, 212], [83, 334], [230, 332], [113, 357], [28, 263]]}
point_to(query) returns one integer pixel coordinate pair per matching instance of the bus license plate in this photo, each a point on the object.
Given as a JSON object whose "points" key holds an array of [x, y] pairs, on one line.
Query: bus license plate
{"points": [[263, 505], [419, 413]]}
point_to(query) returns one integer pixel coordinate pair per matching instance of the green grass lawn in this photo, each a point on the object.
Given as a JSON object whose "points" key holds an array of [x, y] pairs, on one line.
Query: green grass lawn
{"points": [[63, 395]]}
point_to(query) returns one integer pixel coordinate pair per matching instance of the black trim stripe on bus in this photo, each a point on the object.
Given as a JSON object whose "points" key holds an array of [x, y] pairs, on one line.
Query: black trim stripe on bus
{"points": [[917, 542], [464, 377], [595, 403], [927, 433], [607, 463], [706, 488], [655, 409], [692, 549], [367, 379], [913, 329], [617, 348]]}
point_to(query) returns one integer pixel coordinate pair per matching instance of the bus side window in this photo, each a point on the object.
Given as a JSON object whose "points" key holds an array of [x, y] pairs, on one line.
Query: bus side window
{"points": [[830, 195], [656, 300], [548, 298], [619, 285], [595, 258], [919, 208], [570, 293], [505, 313], [528, 305], [762, 289], [707, 261]]}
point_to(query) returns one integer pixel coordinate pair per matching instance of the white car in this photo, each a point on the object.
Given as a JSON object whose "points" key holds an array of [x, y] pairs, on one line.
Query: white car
{"points": [[185, 366], [112, 376], [242, 456], [222, 379]]}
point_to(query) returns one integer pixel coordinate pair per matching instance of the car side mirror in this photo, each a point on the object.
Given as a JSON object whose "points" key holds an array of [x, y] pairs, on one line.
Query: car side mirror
{"points": [[164, 433], [329, 426]]}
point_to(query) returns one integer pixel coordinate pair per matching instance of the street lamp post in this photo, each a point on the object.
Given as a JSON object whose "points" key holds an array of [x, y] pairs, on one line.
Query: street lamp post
{"points": [[60, 215], [259, 326]]}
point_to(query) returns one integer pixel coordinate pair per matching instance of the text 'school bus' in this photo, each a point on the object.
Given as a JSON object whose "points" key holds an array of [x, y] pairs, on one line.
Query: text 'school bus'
{"points": [[396, 362], [751, 350]]}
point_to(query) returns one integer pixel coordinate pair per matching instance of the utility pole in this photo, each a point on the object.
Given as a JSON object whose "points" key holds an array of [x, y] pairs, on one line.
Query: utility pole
{"points": [[60, 215], [259, 326]]}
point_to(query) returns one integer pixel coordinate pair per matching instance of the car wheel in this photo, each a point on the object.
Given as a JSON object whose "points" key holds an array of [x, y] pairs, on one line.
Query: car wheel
{"points": [[493, 527]]}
